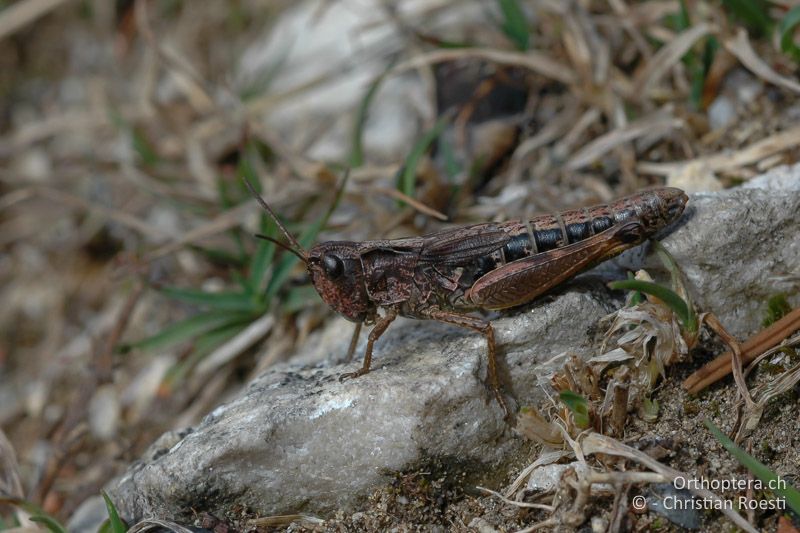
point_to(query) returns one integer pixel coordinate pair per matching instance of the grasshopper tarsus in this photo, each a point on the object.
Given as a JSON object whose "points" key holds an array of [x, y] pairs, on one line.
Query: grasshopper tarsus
{"points": [[442, 276]]}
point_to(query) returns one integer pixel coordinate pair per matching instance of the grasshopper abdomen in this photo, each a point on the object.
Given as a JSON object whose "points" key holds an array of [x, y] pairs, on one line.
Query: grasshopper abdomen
{"points": [[547, 233]]}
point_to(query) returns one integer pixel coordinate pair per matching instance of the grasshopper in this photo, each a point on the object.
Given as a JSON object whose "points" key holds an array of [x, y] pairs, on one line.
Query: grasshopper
{"points": [[445, 275]]}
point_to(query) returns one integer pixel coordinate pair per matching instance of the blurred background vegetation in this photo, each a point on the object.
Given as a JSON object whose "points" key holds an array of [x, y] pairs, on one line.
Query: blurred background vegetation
{"points": [[134, 296]]}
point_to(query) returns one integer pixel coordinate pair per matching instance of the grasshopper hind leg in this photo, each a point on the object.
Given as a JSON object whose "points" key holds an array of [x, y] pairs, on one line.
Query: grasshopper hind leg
{"points": [[484, 328]]}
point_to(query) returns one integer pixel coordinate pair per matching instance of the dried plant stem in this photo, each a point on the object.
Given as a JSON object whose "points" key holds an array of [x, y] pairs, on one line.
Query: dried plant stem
{"points": [[751, 348], [736, 357], [524, 505]]}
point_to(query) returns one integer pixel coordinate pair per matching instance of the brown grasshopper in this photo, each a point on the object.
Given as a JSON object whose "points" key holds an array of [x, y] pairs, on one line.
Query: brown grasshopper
{"points": [[444, 275]]}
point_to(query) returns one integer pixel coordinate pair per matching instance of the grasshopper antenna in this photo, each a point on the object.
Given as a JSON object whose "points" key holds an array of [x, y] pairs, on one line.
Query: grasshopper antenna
{"points": [[296, 249], [282, 245]]}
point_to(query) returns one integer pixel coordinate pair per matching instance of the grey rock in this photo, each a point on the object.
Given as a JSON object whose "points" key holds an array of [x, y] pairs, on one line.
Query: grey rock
{"points": [[298, 440], [739, 247]]}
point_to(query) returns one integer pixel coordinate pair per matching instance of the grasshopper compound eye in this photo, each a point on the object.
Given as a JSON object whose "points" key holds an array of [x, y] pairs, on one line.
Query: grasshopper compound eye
{"points": [[333, 266]]}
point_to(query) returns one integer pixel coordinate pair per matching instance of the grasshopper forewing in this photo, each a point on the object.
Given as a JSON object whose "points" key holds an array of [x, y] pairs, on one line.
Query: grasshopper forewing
{"points": [[446, 275]]}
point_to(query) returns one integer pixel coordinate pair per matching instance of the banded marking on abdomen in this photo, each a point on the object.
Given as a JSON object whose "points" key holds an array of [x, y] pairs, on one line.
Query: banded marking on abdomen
{"points": [[548, 232], [568, 227]]}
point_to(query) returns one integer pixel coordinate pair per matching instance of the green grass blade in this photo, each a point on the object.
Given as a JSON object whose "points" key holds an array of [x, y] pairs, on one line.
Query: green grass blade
{"points": [[578, 405], [760, 470], [636, 297], [50, 523], [786, 32], [117, 525], [515, 25], [753, 13], [407, 178], [673, 301], [262, 257], [186, 329], [220, 301], [682, 19], [676, 278]]}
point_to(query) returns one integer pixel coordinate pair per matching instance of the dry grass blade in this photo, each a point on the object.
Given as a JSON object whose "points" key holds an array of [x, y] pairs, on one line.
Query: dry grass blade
{"points": [[285, 520], [763, 394], [644, 14], [536, 61], [740, 47], [116, 215], [736, 358], [658, 124], [544, 459], [58, 124], [623, 13], [551, 131], [242, 341], [416, 204], [224, 221], [578, 130], [751, 348], [14, 197], [20, 14], [783, 383], [728, 160], [152, 523], [181, 68], [522, 505], [667, 57], [594, 443]]}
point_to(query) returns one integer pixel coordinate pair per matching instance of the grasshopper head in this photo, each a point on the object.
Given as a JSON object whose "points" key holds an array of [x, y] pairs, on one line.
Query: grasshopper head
{"points": [[675, 200], [661, 208], [335, 269], [338, 277]]}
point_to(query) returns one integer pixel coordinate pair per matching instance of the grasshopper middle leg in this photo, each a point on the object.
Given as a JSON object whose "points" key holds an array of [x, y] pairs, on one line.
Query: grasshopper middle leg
{"points": [[484, 328], [377, 331]]}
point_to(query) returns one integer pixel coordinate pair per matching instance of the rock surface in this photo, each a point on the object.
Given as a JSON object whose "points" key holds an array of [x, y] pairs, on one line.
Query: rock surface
{"points": [[298, 440]]}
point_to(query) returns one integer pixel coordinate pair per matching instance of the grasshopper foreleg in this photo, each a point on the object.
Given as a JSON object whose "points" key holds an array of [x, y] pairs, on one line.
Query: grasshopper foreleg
{"points": [[377, 331], [485, 328], [353, 342]]}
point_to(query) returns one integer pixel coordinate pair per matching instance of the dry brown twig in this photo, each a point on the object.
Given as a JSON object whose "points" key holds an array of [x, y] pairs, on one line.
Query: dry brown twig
{"points": [[751, 348]]}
